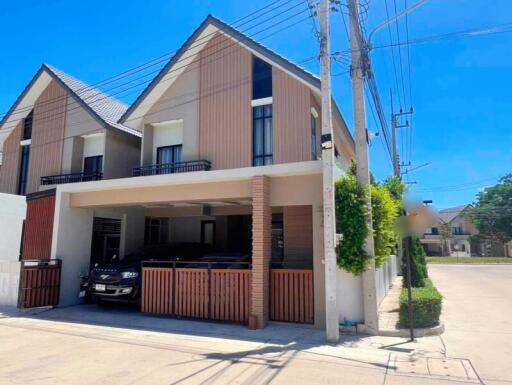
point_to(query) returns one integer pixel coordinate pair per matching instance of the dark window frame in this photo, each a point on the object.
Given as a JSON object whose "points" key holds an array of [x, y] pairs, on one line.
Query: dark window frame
{"points": [[97, 165], [261, 79], [173, 147], [27, 126], [314, 138], [23, 170], [264, 157]]}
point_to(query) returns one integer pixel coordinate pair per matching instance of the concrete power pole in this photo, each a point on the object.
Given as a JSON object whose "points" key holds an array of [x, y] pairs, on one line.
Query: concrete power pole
{"points": [[331, 309], [358, 71]]}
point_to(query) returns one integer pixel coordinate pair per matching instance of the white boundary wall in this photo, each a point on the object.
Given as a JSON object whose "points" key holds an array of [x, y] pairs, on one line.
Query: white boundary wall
{"points": [[12, 213], [350, 290]]}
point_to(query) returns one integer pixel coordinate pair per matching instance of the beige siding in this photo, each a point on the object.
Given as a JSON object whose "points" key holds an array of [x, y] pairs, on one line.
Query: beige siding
{"points": [[78, 122], [10, 161], [179, 101], [291, 118], [47, 135], [225, 122], [298, 236], [122, 154]]}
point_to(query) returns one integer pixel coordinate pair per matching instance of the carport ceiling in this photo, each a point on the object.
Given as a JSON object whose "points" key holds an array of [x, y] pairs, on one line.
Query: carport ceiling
{"points": [[244, 202]]}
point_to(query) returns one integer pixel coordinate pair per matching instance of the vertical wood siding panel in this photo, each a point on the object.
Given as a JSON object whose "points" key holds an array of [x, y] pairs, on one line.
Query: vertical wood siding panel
{"points": [[47, 135], [225, 119], [298, 236], [37, 239], [11, 160], [291, 118]]}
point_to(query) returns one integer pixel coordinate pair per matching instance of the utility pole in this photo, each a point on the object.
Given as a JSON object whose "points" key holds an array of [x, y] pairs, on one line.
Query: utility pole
{"points": [[394, 127], [331, 309], [360, 64]]}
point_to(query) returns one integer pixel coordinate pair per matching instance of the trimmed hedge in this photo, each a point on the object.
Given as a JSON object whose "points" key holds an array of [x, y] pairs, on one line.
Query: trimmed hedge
{"points": [[426, 305]]}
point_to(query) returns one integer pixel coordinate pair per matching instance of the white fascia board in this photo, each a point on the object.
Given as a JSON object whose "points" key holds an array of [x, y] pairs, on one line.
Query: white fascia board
{"points": [[95, 135], [134, 120], [29, 99], [261, 102], [229, 175]]}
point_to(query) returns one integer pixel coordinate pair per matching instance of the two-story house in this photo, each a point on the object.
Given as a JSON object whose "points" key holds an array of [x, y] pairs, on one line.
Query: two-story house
{"points": [[61, 131], [230, 158], [451, 234]]}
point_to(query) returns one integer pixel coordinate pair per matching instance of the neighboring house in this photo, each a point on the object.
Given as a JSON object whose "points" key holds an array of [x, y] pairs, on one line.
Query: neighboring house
{"points": [[451, 234], [230, 158], [62, 131]]}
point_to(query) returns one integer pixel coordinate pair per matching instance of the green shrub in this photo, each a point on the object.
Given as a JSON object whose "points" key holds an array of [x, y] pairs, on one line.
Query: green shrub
{"points": [[418, 265], [384, 214], [351, 211], [426, 305]]}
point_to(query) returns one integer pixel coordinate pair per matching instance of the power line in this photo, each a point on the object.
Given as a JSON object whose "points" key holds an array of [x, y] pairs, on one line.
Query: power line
{"points": [[166, 57], [244, 81], [175, 69]]}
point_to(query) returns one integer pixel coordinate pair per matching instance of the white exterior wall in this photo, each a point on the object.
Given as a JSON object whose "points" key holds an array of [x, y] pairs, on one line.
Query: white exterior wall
{"points": [[350, 289], [12, 213], [168, 134], [384, 277]]}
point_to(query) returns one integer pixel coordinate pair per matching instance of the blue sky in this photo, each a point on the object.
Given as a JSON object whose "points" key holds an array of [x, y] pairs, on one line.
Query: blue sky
{"points": [[460, 88]]}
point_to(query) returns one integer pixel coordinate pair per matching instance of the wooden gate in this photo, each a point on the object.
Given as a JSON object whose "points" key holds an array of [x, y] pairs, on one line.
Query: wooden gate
{"points": [[291, 295], [219, 294], [39, 283]]}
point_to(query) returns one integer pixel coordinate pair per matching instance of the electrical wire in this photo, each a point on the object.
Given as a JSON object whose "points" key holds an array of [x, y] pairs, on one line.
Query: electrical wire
{"points": [[167, 56], [172, 99], [175, 69]]}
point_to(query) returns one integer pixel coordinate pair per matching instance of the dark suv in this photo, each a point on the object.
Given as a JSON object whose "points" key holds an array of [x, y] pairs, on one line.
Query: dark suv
{"points": [[120, 280]]}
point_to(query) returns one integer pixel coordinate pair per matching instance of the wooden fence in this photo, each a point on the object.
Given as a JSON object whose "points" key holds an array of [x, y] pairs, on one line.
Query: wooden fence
{"points": [[291, 295], [39, 283], [220, 294]]}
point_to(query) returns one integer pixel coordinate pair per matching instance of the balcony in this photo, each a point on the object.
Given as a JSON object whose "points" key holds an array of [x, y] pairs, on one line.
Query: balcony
{"points": [[172, 168], [70, 178]]}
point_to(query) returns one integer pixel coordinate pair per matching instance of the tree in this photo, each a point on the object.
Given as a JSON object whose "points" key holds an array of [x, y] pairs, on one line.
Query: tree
{"points": [[492, 213], [418, 265], [445, 230]]}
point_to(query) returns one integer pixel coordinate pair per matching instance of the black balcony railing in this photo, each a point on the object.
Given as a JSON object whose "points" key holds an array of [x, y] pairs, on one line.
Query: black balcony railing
{"points": [[171, 168], [71, 178]]}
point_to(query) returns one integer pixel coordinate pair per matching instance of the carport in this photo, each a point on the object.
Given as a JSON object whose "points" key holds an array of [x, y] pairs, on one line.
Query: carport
{"points": [[287, 288]]}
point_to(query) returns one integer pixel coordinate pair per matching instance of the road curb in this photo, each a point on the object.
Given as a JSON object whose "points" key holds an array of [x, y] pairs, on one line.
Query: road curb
{"points": [[420, 332]]}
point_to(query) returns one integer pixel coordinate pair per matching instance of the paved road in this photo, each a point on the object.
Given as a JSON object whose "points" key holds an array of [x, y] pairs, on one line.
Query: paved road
{"points": [[85, 345], [478, 316]]}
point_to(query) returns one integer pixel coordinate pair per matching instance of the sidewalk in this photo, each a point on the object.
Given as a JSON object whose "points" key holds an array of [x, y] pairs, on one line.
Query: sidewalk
{"points": [[389, 313]]}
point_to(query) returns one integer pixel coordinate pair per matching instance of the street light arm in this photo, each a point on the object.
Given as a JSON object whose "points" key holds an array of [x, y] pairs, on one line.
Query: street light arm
{"points": [[395, 18]]}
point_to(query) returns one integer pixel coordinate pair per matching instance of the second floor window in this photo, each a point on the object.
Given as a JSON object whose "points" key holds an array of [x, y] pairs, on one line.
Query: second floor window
{"points": [[23, 175], [167, 157], [27, 126], [314, 142], [261, 79], [93, 165], [168, 154], [262, 135]]}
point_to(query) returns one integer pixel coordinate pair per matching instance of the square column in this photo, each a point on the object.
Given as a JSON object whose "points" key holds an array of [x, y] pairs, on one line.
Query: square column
{"points": [[261, 249]]}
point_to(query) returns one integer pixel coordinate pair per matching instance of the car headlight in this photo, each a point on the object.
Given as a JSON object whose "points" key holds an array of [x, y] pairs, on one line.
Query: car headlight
{"points": [[129, 274]]}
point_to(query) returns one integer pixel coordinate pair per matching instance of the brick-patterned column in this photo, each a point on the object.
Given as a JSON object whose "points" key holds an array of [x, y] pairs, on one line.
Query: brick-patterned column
{"points": [[261, 249]]}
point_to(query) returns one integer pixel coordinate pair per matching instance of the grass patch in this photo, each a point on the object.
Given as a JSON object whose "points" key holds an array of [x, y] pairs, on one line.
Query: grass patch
{"points": [[426, 304], [470, 260]]}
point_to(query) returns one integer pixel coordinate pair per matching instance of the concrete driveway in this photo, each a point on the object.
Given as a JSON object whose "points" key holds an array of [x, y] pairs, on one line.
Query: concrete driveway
{"points": [[85, 345], [477, 312]]}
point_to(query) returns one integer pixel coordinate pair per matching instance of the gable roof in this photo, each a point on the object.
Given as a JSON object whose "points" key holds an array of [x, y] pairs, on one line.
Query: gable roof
{"points": [[306, 76], [102, 107], [449, 214]]}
